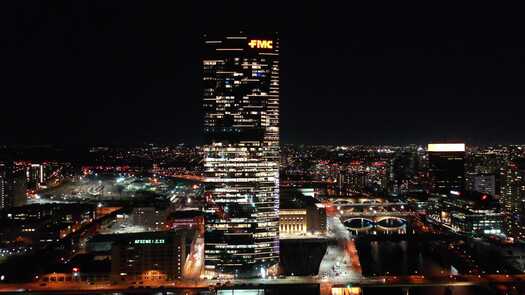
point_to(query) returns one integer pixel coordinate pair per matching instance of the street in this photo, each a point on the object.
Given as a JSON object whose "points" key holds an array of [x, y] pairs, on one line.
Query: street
{"points": [[337, 264]]}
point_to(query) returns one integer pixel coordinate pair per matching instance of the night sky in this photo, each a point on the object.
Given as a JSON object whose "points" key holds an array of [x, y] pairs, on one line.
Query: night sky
{"points": [[108, 72]]}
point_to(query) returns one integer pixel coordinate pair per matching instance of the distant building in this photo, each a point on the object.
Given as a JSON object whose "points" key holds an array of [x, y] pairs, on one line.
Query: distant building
{"points": [[446, 167], [41, 224], [6, 197], [467, 212], [151, 218], [483, 183], [353, 181], [35, 176], [513, 189], [301, 214], [513, 197], [12, 186], [403, 168]]}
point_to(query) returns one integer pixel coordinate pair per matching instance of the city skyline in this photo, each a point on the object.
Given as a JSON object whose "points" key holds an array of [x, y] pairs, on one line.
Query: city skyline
{"points": [[261, 148], [367, 78]]}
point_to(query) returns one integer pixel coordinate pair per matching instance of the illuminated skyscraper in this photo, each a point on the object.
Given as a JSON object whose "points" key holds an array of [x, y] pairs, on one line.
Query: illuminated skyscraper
{"points": [[6, 199], [35, 176], [447, 167], [241, 123], [12, 185]]}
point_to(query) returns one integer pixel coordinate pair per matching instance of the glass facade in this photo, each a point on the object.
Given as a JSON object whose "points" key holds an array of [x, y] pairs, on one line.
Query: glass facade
{"points": [[241, 165]]}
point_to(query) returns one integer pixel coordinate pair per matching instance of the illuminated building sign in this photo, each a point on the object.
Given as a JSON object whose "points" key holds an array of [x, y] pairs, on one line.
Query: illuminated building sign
{"points": [[263, 44], [446, 147], [151, 241]]}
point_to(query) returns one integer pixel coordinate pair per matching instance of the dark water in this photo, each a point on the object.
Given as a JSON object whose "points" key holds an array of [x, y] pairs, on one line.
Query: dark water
{"points": [[406, 257], [301, 257], [399, 258]]}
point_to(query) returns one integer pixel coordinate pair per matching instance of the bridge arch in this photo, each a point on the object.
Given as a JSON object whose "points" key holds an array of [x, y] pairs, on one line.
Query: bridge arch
{"points": [[359, 223], [382, 222], [391, 222]]}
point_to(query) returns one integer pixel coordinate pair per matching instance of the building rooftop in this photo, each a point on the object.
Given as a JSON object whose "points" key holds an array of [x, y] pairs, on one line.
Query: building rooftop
{"points": [[134, 236], [294, 199], [473, 200], [184, 214]]}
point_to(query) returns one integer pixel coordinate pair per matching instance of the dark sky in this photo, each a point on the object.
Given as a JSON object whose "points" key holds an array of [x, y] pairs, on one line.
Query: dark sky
{"points": [[128, 72]]}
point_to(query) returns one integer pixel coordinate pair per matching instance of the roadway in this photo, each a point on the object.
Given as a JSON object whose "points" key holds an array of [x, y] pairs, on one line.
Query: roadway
{"points": [[339, 264], [382, 281], [195, 261]]}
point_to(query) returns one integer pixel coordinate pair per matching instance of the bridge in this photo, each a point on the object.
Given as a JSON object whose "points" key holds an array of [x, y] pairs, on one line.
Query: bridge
{"points": [[356, 202], [366, 205], [384, 221]]}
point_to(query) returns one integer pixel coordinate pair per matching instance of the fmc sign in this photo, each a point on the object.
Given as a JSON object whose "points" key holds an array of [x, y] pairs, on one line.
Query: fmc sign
{"points": [[262, 44]]}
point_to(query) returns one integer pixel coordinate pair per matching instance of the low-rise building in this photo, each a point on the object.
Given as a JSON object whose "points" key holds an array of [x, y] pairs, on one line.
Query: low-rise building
{"points": [[301, 214], [468, 212], [41, 224], [144, 256]]}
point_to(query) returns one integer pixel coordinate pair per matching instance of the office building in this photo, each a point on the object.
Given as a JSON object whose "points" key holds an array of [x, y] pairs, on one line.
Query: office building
{"points": [[35, 177], [513, 197], [446, 167], [241, 164], [483, 183], [6, 198], [12, 185], [144, 256], [149, 256], [403, 169], [467, 212]]}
